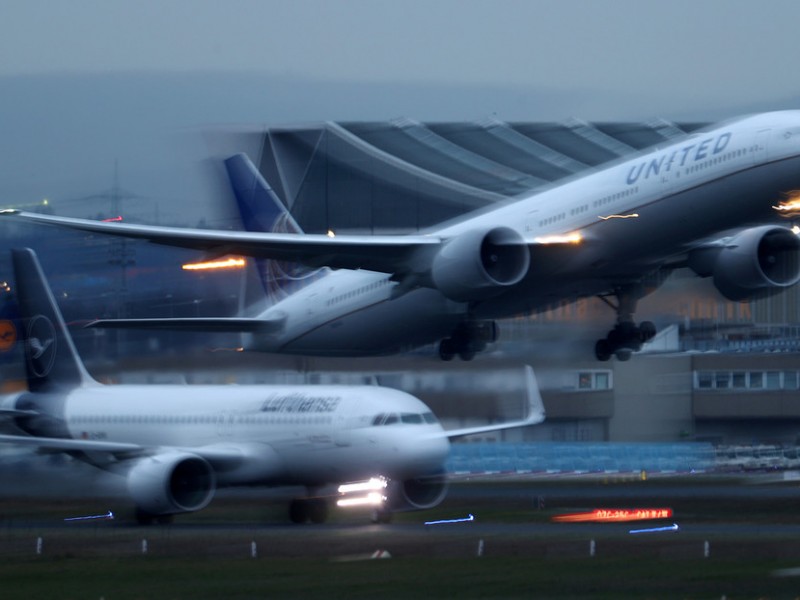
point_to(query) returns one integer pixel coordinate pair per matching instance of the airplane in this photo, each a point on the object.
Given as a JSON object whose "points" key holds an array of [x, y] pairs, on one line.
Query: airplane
{"points": [[176, 444], [708, 201]]}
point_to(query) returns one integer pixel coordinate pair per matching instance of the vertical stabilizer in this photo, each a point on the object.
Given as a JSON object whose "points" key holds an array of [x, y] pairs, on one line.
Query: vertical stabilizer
{"points": [[51, 361], [261, 210], [259, 206]]}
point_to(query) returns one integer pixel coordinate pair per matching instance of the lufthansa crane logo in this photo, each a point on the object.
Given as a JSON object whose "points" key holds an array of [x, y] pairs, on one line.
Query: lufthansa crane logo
{"points": [[8, 335], [41, 345]]}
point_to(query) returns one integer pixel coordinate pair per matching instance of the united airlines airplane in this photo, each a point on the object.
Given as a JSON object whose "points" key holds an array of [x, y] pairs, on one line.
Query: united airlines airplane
{"points": [[176, 444], [709, 201]]}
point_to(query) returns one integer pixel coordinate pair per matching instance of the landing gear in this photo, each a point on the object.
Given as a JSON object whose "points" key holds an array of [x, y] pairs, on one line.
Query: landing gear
{"points": [[626, 337], [382, 516], [303, 510], [469, 338]]}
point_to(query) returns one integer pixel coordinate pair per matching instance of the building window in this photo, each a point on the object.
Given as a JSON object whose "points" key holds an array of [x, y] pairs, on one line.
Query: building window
{"points": [[739, 380], [773, 380], [705, 380], [756, 380], [722, 380], [594, 380], [602, 381], [790, 380]]}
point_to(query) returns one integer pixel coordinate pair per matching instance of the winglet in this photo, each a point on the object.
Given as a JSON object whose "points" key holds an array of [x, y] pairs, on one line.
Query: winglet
{"points": [[51, 360], [535, 413]]}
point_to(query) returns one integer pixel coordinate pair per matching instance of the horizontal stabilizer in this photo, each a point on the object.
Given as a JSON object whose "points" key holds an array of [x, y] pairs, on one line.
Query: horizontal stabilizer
{"points": [[214, 324]]}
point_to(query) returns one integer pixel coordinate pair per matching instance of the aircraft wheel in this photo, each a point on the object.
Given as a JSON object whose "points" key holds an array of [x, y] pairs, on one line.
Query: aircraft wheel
{"points": [[602, 350], [317, 510], [647, 330], [382, 516], [298, 511], [467, 355], [624, 354]]}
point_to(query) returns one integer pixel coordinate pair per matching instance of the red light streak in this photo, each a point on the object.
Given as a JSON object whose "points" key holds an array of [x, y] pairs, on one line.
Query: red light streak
{"points": [[112, 220], [606, 515]]}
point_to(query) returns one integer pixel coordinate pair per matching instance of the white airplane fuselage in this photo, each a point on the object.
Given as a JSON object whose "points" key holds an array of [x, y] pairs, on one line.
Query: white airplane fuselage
{"points": [[632, 216], [309, 435]]}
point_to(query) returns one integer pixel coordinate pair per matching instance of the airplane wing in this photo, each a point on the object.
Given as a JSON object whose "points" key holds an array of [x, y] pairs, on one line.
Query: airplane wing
{"points": [[219, 455], [381, 253], [535, 412], [68, 444], [224, 324]]}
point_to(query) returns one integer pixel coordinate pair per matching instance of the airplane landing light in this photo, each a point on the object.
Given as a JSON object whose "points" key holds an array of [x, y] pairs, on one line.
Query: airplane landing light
{"points": [[374, 496]]}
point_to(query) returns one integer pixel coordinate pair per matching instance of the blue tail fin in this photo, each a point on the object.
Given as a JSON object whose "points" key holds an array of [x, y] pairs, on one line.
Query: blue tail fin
{"points": [[259, 207], [262, 210], [51, 361]]}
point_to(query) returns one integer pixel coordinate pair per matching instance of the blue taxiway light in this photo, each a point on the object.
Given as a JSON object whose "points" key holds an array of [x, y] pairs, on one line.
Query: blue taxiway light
{"points": [[464, 520], [673, 527], [109, 516]]}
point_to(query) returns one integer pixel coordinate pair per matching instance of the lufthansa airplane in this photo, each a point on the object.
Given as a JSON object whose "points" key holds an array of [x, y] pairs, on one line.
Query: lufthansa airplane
{"points": [[709, 201], [176, 444]]}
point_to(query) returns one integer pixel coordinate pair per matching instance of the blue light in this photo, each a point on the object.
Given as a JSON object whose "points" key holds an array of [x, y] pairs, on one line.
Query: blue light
{"points": [[108, 516], [464, 520], [673, 527]]}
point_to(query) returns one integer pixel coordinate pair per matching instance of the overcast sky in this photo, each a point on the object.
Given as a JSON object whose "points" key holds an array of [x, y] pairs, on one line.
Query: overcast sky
{"points": [[85, 82]]}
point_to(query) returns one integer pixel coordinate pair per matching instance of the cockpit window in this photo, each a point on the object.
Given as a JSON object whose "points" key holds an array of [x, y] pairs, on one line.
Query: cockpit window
{"points": [[429, 417], [411, 418], [405, 418]]}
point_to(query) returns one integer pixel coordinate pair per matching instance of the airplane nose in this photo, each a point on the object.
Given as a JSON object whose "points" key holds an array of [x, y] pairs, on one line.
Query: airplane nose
{"points": [[423, 454]]}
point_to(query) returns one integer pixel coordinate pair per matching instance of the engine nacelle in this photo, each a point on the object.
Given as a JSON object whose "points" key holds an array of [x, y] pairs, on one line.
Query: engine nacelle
{"points": [[479, 264], [757, 262], [173, 482], [418, 493]]}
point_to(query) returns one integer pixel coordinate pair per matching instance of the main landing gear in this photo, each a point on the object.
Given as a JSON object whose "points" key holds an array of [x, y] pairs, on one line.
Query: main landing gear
{"points": [[303, 510], [626, 337], [468, 338]]}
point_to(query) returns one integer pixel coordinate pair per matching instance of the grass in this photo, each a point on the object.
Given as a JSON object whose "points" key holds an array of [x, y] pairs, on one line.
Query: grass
{"points": [[515, 577], [207, 555]]}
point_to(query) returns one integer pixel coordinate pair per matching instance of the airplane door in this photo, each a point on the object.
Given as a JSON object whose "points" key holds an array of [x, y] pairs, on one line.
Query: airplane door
{"points": [[760, 149]]}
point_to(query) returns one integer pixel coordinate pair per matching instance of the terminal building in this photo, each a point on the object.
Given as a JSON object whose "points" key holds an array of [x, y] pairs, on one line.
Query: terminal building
{"points": [[718, 372]]}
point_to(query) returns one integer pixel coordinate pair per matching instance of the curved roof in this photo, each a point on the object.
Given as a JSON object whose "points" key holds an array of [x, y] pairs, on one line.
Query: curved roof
{"points": [[404, 174]]}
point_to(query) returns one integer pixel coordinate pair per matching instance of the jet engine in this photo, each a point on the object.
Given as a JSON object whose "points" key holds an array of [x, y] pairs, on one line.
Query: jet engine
{"points": [[173, 482], [479, 264], [418, 493], [754, 263]]}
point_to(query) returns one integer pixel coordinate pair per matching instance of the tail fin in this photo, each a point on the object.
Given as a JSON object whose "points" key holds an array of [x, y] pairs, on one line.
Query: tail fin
{"points": [[259, 206], [51, 361], [262, 210]]}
